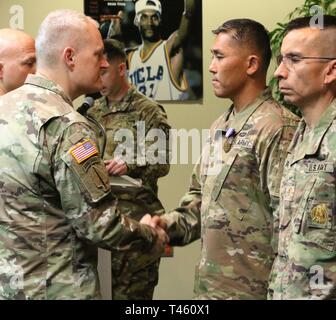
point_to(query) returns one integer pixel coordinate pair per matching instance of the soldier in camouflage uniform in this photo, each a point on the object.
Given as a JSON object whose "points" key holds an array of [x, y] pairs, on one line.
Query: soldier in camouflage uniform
{"points": [[235, 187], [56, 203], [305, 267], [134, 275]]}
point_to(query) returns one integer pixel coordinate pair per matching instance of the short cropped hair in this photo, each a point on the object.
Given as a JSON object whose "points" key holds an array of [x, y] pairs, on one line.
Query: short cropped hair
{"points": [[251, 33], [305, 22], [58, 30], [114, 49]]}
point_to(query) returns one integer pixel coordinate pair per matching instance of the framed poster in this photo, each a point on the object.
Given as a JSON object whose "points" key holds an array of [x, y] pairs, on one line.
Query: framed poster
{"points": [[163, 45]]}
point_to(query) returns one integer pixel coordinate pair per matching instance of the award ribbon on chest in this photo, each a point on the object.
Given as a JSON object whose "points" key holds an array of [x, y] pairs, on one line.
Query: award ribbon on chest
{"points": [[229, 135]]}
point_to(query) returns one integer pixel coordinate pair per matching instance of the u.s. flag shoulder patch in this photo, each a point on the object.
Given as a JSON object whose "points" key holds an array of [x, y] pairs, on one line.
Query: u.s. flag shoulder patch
{"points": [[84, 150]]}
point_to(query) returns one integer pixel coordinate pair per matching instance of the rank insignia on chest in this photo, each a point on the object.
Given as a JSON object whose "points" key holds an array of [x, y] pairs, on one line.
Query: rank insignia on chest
{"points": [[319, 214], [229, 135], [83, 151]]}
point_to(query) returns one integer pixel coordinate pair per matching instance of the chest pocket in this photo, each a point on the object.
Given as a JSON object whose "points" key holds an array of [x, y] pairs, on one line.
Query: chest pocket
{"points": [[286, 202], [120, 120], [116, 121], [287, 193], [316, 215], [121, 128], [232, 187]]}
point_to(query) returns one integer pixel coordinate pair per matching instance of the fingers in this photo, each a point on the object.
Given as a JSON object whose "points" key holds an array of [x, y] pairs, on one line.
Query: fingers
{"points": [[109, 164], [146, 219], [161, 241], [158, 221], [154, 221], [116, 167], [160, 226], [162, 236], [120, 169]]}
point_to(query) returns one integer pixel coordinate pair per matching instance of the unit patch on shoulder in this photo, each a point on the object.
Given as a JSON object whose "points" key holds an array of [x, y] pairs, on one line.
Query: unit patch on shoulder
{"points": [[84, 150]]}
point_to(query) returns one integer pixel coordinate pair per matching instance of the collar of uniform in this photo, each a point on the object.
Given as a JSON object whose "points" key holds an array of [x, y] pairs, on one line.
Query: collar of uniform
{"points": [[101, 106], [312, 141], [124, 104], [241, 117], [42, 82]]}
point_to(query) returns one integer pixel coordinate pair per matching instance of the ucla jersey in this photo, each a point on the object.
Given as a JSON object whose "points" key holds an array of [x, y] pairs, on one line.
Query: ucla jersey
{"points": [[152, 74]]}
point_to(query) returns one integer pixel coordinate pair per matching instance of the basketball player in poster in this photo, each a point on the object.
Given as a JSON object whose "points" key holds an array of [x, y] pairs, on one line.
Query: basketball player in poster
{"points": [[156, 66]]}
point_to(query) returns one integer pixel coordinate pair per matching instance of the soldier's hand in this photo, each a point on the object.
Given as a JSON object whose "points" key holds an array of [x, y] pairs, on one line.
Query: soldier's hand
{"points": [[161, 241], [146, 219], [162, 238], [116, 167], [154, 221]]}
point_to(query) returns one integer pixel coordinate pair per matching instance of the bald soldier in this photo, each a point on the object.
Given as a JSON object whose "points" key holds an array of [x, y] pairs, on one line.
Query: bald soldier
{"points": [[305, 265], [56, 205], [17, 58]]}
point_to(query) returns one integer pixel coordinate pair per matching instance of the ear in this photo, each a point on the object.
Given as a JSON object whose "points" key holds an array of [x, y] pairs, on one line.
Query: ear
{"points": [[69, 57], [122, 68], [253, 65], [330, 76]]}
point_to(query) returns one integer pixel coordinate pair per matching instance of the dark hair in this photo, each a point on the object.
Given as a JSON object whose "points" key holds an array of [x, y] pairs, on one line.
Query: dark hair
{"points": [[305, 22], [251, 33], [114, 49]]}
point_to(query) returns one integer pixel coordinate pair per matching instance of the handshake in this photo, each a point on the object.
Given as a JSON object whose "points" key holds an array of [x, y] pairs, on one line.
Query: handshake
{"points": [[160, 227]]}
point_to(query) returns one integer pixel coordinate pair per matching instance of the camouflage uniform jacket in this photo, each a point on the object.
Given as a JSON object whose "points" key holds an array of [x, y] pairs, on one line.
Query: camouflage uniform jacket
{"points": [[138, 115], [305, 267], [55, 202], [236, 201]]}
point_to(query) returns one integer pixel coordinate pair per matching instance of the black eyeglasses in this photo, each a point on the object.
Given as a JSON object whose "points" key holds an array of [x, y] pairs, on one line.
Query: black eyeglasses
{"points": [[290, 60]]}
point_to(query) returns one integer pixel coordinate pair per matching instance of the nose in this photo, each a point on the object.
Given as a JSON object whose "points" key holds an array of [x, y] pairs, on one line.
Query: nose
{"points": [[104, 63], [33, 69], [212, 68], [281, 71]]}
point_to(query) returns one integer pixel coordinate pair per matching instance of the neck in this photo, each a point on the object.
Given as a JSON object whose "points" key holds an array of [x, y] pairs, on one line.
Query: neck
{"points": [[148, 45], [59, 79], [313, 111], [248, 94], [2, 91], [120, 94]]}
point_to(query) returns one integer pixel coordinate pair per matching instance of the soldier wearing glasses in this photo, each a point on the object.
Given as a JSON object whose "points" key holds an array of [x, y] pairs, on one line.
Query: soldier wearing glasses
{"points": [[305, 265]]}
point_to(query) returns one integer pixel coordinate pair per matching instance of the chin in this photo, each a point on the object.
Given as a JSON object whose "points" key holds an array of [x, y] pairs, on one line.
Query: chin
{"points": [[152, 38], [289, 99], [93, 90], [220, 94]]}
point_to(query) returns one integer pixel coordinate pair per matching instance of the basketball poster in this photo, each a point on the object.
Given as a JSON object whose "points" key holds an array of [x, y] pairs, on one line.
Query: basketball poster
{"points": [[163, 41]]}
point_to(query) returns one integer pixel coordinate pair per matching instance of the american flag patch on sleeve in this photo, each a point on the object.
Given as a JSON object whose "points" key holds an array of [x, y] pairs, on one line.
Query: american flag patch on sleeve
{"points": [[83, 151]]}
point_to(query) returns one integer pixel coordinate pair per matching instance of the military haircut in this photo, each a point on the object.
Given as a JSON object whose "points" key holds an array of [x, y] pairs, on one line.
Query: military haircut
{"points": [[114, 49], [251, 33], [327, 30], [60, 29], [306, 22]]}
